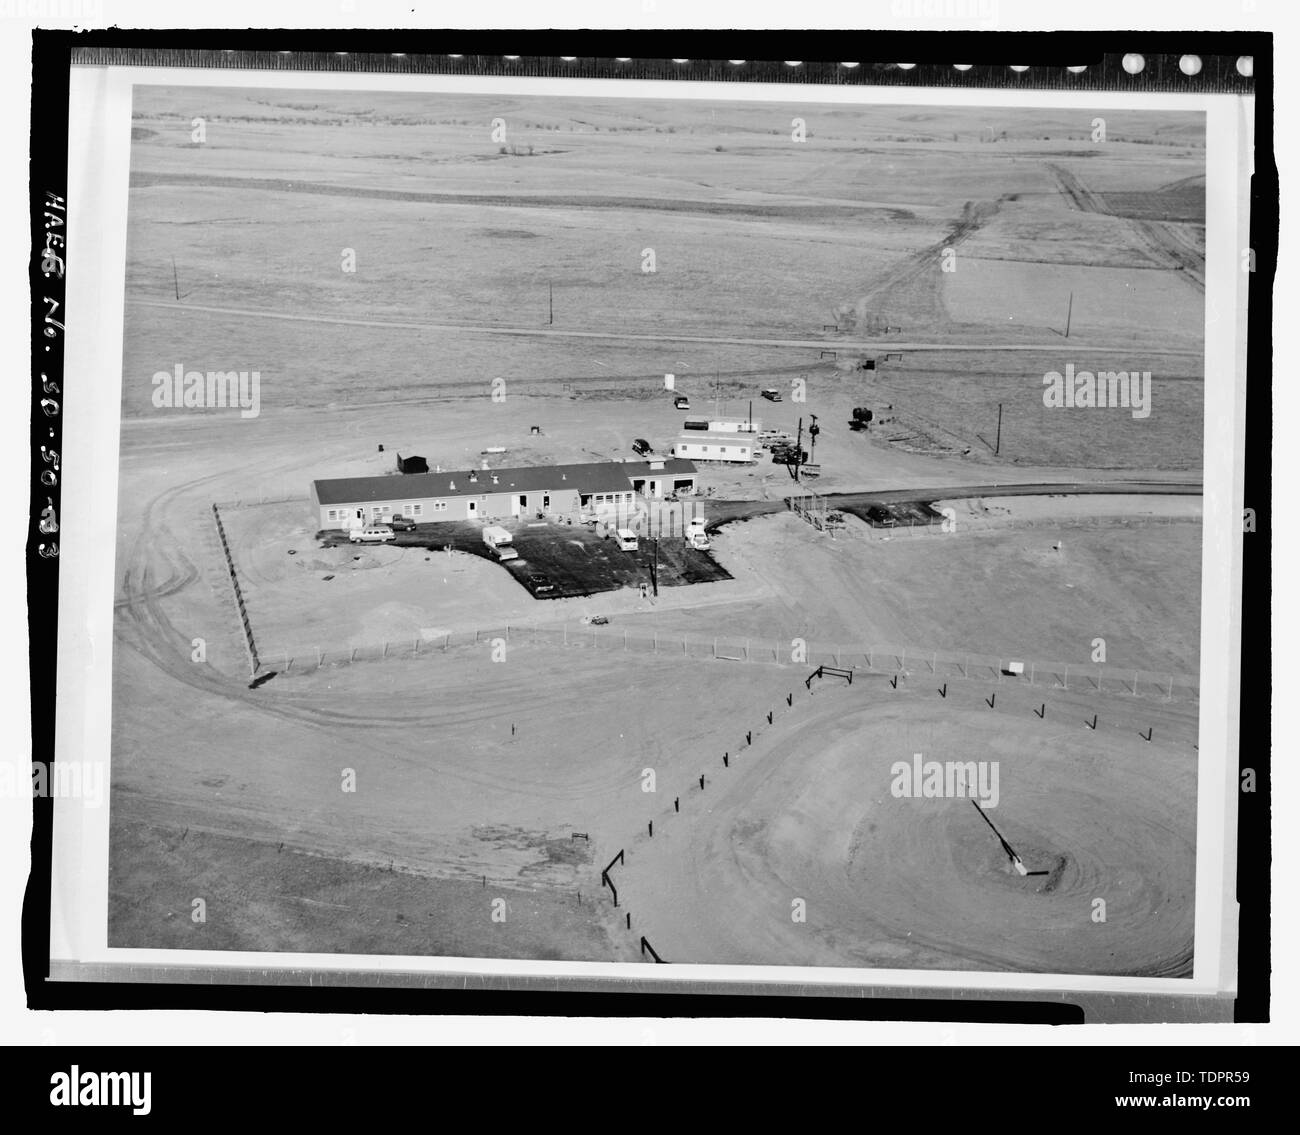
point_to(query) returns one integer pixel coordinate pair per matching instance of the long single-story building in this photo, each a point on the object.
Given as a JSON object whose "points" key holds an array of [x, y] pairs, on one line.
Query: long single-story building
{"points": [[565, 491]]}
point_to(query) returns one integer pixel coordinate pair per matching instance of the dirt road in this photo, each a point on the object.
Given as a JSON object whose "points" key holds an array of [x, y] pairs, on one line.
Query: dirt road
{"points": [[866, 345]]}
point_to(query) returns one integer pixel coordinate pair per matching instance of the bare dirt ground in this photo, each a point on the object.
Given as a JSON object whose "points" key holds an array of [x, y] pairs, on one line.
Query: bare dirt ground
{"points": [[471, 776], [806, 816]]}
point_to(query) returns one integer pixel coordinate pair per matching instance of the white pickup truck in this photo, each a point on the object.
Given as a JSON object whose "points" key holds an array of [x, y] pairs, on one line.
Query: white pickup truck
{"points": [[499, 540]]}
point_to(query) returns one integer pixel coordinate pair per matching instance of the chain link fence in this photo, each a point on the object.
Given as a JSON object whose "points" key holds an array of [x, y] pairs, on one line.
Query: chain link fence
{"points": [[1108, 679]]}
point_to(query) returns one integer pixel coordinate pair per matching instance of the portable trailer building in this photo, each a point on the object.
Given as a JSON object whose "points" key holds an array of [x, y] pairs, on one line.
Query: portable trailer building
{"points": [[731, 449]]}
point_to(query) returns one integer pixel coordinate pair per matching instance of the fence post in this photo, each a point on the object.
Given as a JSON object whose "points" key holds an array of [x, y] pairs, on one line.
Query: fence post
{"points": [[1135, 683], [746, 650], [1067, 675], [446, 642], [385, 653], [715, 648]]}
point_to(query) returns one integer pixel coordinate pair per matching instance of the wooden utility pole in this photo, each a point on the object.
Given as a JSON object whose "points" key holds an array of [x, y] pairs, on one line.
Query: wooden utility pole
{"points": [[998, 447], [550, 301], [176, 280], [1069, 311]]}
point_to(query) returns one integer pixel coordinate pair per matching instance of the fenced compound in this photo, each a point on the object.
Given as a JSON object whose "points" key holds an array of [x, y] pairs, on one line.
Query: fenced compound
{"points": [[1075, 676], [966, 666]]}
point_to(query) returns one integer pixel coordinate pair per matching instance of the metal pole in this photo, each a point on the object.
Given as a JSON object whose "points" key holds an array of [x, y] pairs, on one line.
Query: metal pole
{"points": [[998, 447], [1069, 311]]}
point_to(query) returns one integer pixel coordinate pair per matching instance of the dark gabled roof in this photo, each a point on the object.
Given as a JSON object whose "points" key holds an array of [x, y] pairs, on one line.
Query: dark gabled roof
{"points": [[587, 477]]}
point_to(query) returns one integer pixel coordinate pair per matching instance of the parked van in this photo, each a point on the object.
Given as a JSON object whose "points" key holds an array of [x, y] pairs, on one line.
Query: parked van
{"points": [[495, 537], [371, 534], [626, 540]]}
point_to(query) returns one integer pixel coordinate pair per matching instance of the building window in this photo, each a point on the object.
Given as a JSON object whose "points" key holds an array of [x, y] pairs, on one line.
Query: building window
{"points": [[439, 506], [417, 510]]}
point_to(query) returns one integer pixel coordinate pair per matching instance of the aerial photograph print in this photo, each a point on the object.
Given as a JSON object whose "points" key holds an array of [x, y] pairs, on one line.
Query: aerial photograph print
{"points": [[760, 533]]}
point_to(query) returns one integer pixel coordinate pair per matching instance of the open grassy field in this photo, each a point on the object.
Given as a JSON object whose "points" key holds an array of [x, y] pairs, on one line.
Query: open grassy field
{"points": [[775, 261], [754, 236]]}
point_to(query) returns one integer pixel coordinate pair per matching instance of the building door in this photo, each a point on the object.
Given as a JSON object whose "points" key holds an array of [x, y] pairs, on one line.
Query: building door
{"points": [[472, 506]]}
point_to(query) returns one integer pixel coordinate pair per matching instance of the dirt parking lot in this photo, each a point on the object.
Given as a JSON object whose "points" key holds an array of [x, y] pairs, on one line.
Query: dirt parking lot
{"points": [[572, 557]]}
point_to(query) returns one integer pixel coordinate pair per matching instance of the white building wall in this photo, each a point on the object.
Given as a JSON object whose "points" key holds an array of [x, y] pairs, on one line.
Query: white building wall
{"points": [[711, 447]]}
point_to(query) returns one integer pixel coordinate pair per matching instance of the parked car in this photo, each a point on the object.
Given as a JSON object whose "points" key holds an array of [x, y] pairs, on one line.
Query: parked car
{"points": [[881, 517], [641, 446], [371, 534], [402, 524], [504, 552], [772, 394], [697, 538], [539, 585], [681, 402]]}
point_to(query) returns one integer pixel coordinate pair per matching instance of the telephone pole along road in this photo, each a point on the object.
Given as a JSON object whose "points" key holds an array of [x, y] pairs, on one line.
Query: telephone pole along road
{"points": [[877, 345]]}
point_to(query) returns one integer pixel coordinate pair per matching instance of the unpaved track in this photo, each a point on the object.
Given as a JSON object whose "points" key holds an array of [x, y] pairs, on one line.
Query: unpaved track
{"points": [[867, 345]]}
